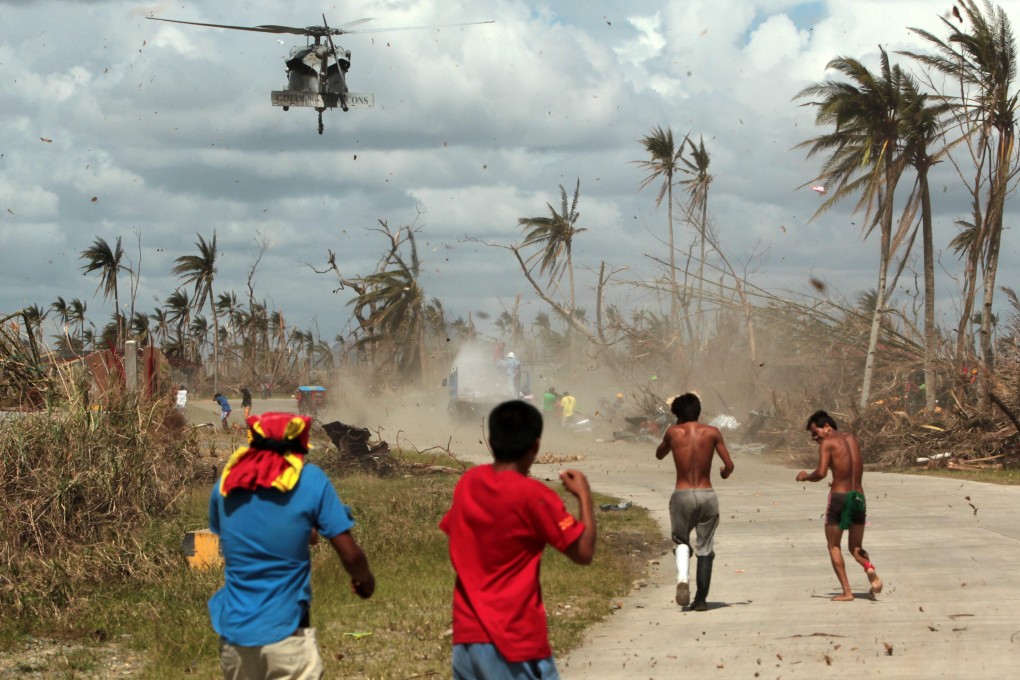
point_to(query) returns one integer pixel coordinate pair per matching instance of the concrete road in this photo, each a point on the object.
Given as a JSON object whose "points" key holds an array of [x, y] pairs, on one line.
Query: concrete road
{"points": [[948, 551]]}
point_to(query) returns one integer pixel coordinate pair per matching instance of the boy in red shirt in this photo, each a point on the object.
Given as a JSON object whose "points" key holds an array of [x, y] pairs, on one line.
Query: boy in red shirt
{"points": [[498, 525]]}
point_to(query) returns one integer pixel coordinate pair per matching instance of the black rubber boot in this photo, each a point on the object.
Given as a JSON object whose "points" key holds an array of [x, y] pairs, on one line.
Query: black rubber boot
{"points": [[704, 580]]}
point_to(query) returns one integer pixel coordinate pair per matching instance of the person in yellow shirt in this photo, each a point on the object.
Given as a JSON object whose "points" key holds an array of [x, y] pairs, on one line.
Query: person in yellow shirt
{"points": [[568, 404]]}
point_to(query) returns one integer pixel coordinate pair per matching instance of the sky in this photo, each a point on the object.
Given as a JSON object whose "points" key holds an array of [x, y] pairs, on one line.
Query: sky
{"points": [[117, 126]]}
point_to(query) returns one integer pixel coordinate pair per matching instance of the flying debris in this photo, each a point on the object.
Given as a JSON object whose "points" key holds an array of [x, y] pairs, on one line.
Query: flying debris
{"points": [[820, 189]]}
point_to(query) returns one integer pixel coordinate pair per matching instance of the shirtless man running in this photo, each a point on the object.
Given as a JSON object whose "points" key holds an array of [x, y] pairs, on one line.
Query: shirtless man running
{"points": [[846, 508], [693, 504]]}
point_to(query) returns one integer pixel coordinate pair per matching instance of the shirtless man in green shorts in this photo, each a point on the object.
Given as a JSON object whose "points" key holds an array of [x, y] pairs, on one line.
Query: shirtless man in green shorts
{"points": [[693, 503], [846, 508]]}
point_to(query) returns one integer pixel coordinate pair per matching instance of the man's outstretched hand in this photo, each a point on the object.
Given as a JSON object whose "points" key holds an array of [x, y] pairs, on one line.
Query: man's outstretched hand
{"points": [[575, 482]]}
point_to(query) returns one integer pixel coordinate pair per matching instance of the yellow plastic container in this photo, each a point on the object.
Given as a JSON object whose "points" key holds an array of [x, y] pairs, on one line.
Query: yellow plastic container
{"points": [[202, 549]]}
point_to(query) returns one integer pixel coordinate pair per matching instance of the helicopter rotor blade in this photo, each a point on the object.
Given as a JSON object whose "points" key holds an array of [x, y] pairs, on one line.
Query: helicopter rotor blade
{"points": [[257, 29], [350, 24], [417, 28], [336, 57], [319, 30]]}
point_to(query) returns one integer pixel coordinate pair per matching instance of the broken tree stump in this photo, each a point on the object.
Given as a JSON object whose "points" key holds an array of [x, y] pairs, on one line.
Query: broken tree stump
{"points": [[352, 442]]}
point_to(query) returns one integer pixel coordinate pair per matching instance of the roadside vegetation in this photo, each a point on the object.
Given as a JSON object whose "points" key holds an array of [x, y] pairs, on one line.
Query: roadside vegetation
{"points": [[94, 583]]}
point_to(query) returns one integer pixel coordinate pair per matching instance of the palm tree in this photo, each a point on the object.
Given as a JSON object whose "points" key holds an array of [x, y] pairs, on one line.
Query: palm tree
{"points": [[199, 333], [161, 328], [227, 305], [200, 270], [398, 317], [696, 168], [179, 313], [140, 327], [554, 235], [865, 156], [664, 164], [983, 61], [76, 312], [465, 329], [100, 257], [437, 338], [34, 315], [60, 308], [108, 335]]}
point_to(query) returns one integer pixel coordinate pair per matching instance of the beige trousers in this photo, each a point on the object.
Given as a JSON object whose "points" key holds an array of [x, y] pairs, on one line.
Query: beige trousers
{"points": [[294, 657]]}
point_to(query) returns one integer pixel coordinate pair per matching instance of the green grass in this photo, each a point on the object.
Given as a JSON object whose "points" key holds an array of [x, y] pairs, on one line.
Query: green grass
{"points": [[408, 618]]}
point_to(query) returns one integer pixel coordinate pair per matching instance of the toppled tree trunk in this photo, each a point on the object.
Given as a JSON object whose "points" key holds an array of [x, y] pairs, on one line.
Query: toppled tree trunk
{"points": [[352, 442]]}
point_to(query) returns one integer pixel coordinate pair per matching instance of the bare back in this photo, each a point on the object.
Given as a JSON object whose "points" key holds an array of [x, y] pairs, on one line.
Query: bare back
{"points": [[844, 456], [693, 445]]}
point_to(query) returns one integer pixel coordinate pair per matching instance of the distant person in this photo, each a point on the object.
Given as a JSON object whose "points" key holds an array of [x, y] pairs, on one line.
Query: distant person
{"points": [[267, 508], [549, 399], [693, 503], [181, 399], [847, 508], [513, 374], [224, 410], [498, 525], [246, 402], [568, 404]]}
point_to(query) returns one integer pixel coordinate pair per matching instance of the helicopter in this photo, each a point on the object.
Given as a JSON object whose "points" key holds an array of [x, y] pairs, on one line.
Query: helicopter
{"points": [[317, 71]]}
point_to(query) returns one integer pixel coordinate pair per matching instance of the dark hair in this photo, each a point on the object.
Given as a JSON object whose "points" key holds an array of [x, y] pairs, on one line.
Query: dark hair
{"points": [[686, 407], [217, 395], [820, 419], [514, 427]]}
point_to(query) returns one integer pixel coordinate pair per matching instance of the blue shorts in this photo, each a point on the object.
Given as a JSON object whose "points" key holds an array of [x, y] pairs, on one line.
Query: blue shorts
{"points": [[483, 660]]}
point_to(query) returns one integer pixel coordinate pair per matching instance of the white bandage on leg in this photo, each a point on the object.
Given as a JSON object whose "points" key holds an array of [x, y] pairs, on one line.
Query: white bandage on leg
{"points": [[683, 561]]}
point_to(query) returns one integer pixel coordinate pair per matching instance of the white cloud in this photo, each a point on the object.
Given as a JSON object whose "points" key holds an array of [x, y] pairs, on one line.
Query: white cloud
{"points": [[170, 127]]}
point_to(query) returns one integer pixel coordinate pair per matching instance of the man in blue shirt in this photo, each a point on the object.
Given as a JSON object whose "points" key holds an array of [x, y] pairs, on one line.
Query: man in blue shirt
{"points": [[267, 508], [224, 409]]}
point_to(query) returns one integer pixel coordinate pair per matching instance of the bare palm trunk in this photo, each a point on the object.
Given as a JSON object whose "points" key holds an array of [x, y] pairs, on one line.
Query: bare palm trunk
{"points": [[116, 314], [996, 205], [570, 271], [964, 335], [930, 389], [876, 323], [674, 316], [216, 341], [701, 275], [883, 265], [987, 349]]}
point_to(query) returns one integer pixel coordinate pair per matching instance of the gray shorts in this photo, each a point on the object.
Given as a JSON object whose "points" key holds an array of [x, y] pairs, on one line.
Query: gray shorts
{"points": [[296, 657], [698, 510]]}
